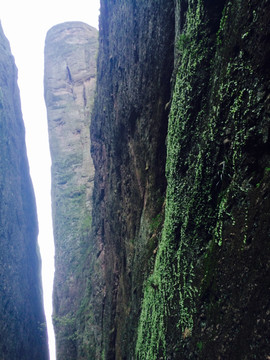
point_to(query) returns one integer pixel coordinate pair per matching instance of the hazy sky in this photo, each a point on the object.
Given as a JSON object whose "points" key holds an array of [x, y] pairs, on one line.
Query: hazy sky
{"points": [[25, 24]]}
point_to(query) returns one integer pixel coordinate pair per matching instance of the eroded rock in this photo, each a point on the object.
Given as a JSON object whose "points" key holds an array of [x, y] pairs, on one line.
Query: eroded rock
{"points": [[70, 77]]}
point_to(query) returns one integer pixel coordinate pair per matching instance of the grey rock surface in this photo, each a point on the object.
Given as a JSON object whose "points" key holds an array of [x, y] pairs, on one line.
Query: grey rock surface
{"points": [[69, 82]]}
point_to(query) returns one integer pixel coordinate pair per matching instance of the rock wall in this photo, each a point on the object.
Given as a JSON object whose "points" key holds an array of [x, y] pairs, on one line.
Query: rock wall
{"points": [[128, 130], [197, 257], [207, 297], [70, 71], [23, 332], [178, 260]]}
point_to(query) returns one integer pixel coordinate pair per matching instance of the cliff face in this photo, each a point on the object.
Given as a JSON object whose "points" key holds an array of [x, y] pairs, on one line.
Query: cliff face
{"points": [[178, 260], [211, 275], [70, 70], [129, 128], [22, 321], [203, 279]]}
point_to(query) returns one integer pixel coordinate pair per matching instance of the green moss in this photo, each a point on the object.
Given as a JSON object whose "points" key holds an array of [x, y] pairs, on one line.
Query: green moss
{"points": [[86, 223], [200, 345], [223, 23], [222, 212], [183, 42], [65, 326], [156, 223], [170, 292], [204, 156]]}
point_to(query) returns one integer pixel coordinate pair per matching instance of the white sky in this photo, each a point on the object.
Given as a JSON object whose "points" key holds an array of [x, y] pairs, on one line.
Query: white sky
{"points": [[25, 24]]}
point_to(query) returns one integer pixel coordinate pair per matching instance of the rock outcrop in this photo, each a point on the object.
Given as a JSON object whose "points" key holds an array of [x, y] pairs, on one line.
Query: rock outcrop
{"points": [[70, 77], [178, 266], [23, 334], [129, 128], [202, 274], [207, 296]]}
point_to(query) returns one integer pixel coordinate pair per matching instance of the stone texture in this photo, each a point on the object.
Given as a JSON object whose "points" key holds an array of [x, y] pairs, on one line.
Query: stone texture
{"points": [[23, 333], [70, 71], [178, 260], [207, 296], [129, 127], [200, 285]]}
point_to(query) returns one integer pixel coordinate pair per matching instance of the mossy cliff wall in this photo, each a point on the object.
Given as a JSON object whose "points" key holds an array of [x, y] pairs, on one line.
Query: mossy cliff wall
{"points": [[178, 266], [23, 334], [128, 130], [207, 297], [205, 276], [70, 71]]}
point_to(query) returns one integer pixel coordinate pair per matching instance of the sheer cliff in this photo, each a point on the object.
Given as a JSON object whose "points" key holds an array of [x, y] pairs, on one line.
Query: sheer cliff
{"points": [[207, 296], [178, 260], [129, 128], [202, 274], [22, 323], [70, 71]]}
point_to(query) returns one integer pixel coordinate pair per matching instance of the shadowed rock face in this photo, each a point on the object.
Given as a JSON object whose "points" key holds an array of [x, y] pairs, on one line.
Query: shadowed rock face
{"points": [[177, 265], [206, 273], [22, 323], [70, 70], [129, 128]]}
